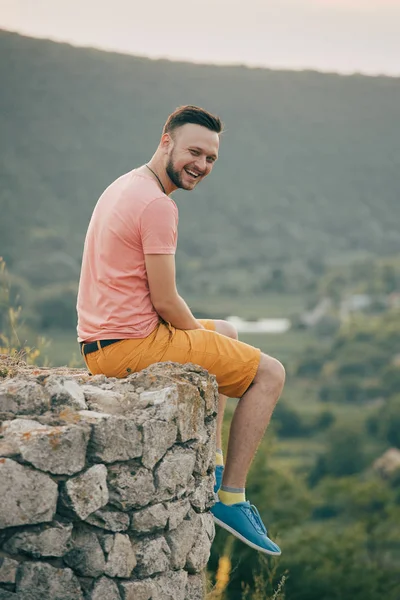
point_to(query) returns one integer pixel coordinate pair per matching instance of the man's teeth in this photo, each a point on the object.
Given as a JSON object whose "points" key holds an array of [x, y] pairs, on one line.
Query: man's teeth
{"points": [[191, 173]]}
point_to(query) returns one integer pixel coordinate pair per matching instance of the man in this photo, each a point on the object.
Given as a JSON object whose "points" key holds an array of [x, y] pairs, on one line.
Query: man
{"points": [[130, 314]]}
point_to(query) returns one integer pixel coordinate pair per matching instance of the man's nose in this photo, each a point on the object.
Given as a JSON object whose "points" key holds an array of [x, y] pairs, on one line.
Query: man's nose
{"points": [[201, 163]]}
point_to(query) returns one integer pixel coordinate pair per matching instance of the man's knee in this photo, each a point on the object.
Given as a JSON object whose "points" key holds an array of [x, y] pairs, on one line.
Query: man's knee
{"points": [[226, 328], [270, 371]]}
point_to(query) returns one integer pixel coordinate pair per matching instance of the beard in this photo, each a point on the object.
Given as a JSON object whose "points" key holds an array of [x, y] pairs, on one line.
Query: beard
{"points": [[175, 175]]}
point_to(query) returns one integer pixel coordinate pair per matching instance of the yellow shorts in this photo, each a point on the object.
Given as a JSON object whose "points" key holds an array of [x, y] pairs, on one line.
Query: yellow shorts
{"points": [[233, 363]]}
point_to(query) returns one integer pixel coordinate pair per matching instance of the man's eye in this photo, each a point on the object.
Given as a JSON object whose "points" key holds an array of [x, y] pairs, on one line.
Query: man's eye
{"points": [[194, 152]]}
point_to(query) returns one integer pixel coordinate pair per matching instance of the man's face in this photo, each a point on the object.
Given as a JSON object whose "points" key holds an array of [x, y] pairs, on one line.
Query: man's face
{"points": [[190, 155]]}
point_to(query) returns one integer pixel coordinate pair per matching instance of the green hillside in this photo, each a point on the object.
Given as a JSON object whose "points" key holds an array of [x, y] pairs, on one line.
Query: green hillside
{"points": [[308, 179], [309, 167]]}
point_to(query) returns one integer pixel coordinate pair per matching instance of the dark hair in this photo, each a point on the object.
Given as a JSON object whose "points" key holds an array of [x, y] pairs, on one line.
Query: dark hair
{"points": [[192, 114]]}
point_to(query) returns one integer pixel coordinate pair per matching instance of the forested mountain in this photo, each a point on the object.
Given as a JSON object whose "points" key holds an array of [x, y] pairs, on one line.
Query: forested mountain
{"points": [[309, 166]]}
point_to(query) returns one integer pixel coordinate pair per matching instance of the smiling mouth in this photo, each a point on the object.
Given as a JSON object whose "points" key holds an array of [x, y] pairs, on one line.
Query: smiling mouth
{"points": [[192, 174]]}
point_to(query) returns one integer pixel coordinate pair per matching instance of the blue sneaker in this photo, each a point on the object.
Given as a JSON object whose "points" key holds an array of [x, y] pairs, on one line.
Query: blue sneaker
{"points": [[219, 472], [244, 522]]}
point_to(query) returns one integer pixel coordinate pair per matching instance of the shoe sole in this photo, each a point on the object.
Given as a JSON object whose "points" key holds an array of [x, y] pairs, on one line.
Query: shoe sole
{"points": [[243, 539]]}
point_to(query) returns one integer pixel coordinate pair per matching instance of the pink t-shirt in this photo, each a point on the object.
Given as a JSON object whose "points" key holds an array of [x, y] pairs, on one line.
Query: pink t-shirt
{"points": [[132, 218]]}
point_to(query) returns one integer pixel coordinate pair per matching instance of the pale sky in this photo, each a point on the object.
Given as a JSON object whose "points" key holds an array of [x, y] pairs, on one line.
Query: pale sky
{"points": [[329, 35]]}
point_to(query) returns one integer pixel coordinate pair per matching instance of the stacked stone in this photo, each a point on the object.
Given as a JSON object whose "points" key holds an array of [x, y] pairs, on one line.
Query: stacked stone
{"points": [[105, 485]]}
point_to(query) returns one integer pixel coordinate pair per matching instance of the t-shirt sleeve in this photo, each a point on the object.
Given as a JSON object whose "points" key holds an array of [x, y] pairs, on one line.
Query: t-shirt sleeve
{"points": [[159, 227]]}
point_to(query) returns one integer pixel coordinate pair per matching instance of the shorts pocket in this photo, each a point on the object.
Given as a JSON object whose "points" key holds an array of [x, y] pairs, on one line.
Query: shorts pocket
{"points": [[119, 366]]}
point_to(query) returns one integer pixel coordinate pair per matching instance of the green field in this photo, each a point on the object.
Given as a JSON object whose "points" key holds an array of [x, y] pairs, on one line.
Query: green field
{"points": [[283, 346], [267, 306]]}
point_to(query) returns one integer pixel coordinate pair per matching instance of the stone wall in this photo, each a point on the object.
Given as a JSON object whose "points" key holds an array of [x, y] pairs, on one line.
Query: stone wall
{"points": [[105, 484]]}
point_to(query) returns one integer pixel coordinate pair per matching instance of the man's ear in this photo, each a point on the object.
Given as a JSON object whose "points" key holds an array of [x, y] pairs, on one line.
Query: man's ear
{"points": [[166, 141]]}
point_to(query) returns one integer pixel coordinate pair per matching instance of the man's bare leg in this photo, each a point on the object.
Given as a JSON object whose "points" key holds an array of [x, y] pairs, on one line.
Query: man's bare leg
{"points": [[250, 420]]}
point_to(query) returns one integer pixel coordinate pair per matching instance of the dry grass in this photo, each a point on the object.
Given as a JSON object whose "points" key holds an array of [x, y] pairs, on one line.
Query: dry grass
{"points": [[14, 365]]}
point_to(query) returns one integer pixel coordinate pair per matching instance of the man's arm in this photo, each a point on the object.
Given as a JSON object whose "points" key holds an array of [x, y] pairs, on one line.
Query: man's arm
{"points": [[163, 293]]}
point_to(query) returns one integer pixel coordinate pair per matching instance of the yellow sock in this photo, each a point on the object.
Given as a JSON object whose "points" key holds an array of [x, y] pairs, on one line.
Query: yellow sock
{"points": [[229, 495], [219, 458]]}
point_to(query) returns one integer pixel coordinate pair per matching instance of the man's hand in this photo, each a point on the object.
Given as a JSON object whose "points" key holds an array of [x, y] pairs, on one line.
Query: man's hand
{"points": [[164, 295]]}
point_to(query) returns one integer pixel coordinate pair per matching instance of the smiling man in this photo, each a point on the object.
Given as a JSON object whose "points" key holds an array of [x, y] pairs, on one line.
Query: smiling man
{"points": [[130, 314]]}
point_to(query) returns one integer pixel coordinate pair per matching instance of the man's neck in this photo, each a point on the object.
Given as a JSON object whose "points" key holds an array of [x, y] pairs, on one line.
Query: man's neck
{"points": [[156, 170]]}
